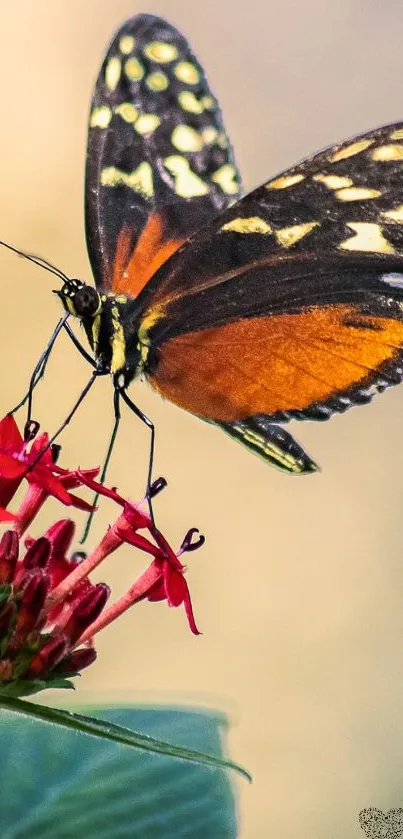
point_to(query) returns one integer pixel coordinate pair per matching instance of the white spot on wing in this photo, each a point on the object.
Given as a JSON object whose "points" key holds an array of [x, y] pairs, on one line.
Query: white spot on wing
{"points": [[393, 279]]}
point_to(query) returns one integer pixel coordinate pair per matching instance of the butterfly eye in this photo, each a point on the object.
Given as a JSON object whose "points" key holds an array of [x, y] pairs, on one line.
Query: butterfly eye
{"points": [[86, 302]]}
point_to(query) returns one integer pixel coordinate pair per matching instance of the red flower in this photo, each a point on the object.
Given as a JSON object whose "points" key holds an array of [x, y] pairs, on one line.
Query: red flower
{"points": [[49, 609], [18, 461]]}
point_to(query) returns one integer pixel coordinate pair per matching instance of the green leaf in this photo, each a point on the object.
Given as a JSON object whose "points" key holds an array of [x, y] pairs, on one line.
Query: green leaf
{"points": [[116, 733], [26, 687], [57, 783]]}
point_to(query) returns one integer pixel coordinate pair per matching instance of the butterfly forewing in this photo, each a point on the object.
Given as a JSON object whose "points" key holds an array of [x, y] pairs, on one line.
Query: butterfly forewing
{"points": [[159, 163]]}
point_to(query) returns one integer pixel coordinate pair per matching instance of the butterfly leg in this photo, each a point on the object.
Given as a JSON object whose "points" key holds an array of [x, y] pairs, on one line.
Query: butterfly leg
{"points": [[69, 417], [39, 369], [78, 345], [151, 426], [116, 408]]}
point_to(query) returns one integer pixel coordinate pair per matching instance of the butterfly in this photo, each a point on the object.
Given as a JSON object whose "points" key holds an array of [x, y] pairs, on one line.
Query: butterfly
{"points": [[246, 311]]}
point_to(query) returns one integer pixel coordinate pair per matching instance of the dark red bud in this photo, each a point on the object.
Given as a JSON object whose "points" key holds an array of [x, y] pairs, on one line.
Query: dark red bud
{"points": [[37, 554], [60, 536], [77, 660], [8, 556], [88, 608], [188, 545], [31, 605], [47, 659]]}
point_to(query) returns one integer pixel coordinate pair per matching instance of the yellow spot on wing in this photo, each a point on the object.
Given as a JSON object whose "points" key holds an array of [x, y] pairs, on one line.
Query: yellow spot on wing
{"points": [[188, 102], [141, 179], [288, 236], [101, 117], [351, 150], [356, 193], [397, 134], [187, 183], [209, 103], [394, 215], [134, 70], [254, 224], [386, 153], [368, 238], [161, 51], [127, 111], [112, 73], [333, 181], [157, 81], [186, 139], [284, 181], [147, 123], [209, 135], [225, 178], [127, 44], [187, 73]]}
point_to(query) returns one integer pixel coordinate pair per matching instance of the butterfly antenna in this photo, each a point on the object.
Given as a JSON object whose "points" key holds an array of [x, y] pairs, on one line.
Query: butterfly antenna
{"points": [[38, 260]]}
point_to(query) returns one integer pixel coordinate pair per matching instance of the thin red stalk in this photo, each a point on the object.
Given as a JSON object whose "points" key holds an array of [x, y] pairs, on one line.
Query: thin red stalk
{"points": [[30, 505], [137, 591], [110, 543]]}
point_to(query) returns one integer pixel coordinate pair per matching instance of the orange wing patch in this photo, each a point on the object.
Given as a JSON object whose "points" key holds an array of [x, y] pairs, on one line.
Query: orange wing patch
{"points": [[132, 271], [275, 363]]}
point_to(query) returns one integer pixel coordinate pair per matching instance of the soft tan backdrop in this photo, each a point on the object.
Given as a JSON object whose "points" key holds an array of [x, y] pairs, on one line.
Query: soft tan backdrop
{"points": [[299, 590]]}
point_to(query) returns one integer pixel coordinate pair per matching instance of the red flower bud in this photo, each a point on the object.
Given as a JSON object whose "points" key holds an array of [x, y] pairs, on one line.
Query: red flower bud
{"points": [[60, 536], [47, 659], [8, 556], [77, 660], [88, 608], [37, 554], [30, 608]]}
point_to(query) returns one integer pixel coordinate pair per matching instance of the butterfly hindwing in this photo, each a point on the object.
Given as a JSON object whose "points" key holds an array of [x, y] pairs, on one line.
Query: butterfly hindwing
{"points": [[290, 304], [159, 163]]}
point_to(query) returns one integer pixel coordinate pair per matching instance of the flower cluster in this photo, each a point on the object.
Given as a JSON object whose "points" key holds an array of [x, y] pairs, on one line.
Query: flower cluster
{"points": [[50, 611]]}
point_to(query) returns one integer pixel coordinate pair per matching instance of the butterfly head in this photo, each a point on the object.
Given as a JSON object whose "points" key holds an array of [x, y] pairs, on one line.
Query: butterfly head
{"points": [[80, 299]]}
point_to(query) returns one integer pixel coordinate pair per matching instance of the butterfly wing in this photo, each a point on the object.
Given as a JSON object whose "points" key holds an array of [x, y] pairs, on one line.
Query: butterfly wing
{"points": [[290, 304], [159, 164]]}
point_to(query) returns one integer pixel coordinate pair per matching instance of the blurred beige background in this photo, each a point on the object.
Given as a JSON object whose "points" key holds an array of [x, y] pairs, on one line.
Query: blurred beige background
{"points": [[299, 589]]}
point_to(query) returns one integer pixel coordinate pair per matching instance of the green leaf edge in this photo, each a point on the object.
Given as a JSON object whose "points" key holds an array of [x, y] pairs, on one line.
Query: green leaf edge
{"points": [[117, 733], [26, 687]]}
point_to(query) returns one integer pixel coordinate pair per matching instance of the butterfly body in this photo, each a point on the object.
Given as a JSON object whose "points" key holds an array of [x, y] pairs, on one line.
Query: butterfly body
{"points": [[248, 312]]}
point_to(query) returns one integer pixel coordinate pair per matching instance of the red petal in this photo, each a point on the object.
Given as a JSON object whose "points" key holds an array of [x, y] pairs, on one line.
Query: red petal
{"points": [[137, 541], [189, 614], [10, 467], [48, 482], [6, 516], [71, 480], [36, 448], [10, 437], [175, 586], [79, 503], [99, 488]]}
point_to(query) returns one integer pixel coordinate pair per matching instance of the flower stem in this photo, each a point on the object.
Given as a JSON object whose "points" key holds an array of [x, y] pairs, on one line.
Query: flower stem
{"points": [[135, 593]]}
